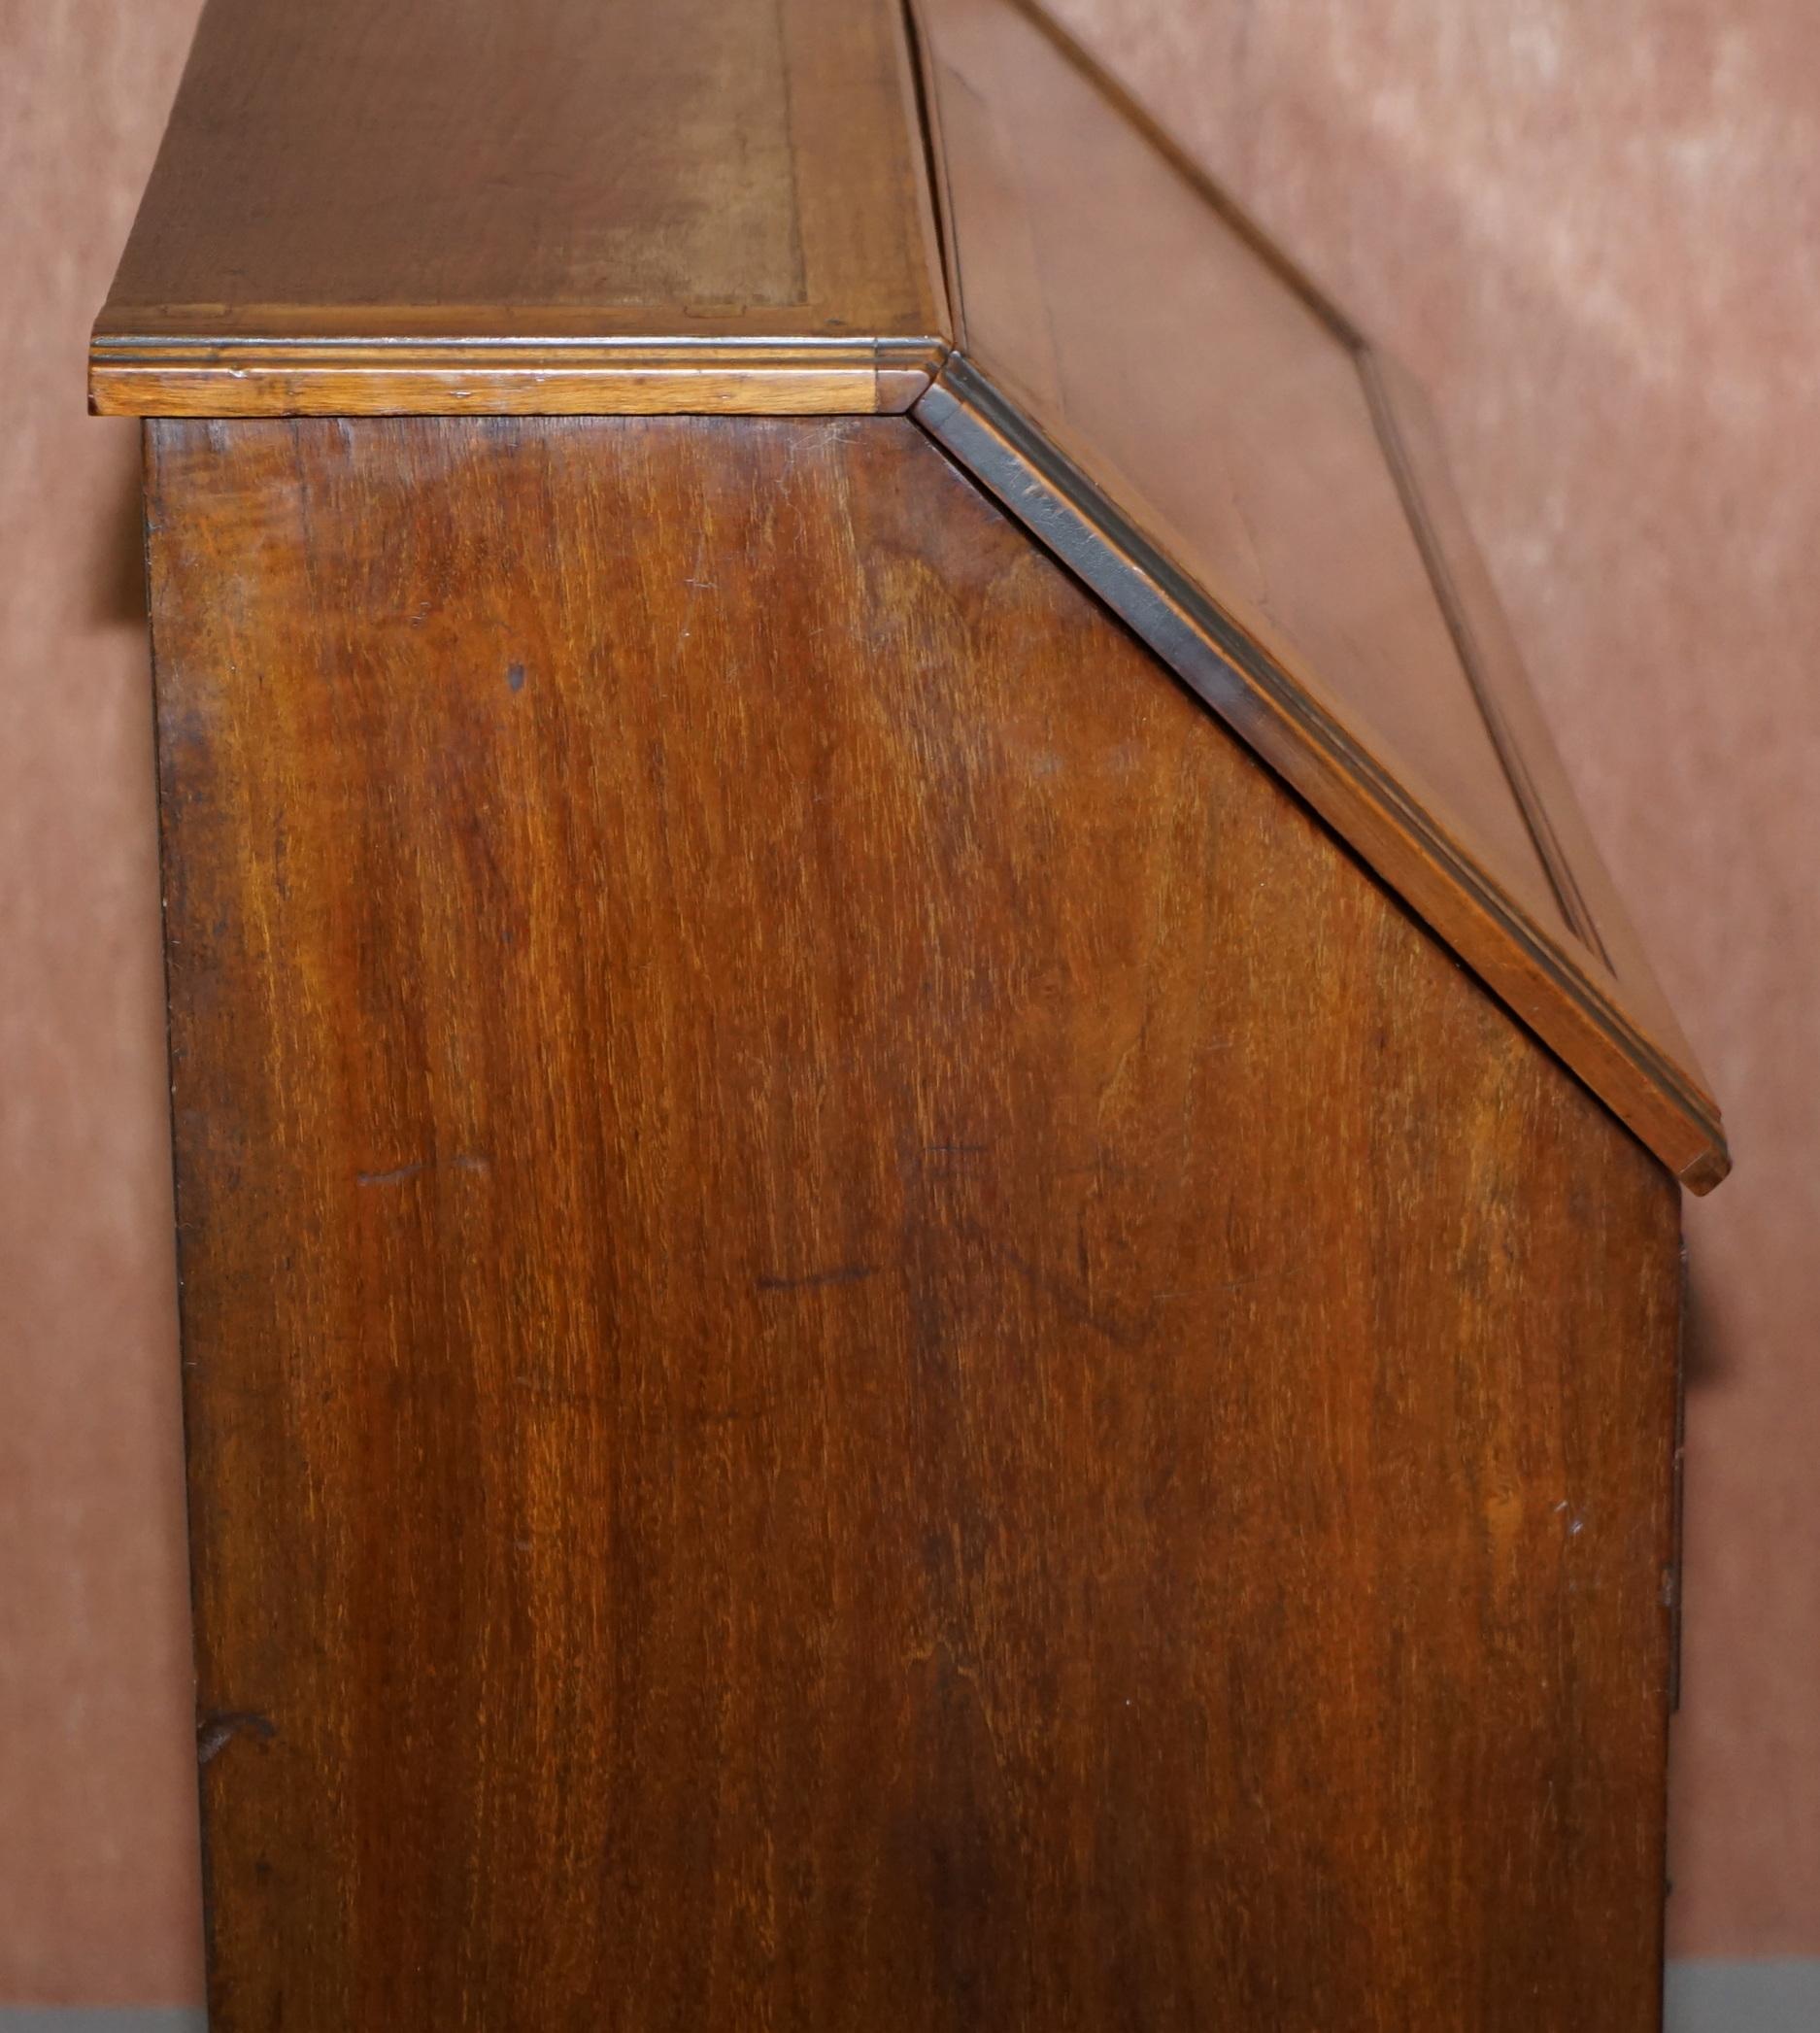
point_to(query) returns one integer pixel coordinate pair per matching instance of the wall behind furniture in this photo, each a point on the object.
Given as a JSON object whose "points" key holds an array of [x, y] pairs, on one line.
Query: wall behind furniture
{"points": [[98, 1898], [1589, 231]]}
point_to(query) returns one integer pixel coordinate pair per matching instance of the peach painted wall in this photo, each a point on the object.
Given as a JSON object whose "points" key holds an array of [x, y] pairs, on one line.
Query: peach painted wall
{"points": [[1591, 230], [99, 1898]]}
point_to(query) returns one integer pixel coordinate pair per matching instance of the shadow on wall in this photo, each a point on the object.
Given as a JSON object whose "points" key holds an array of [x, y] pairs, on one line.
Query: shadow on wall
{"points": [[114, 576], [1708, 1357]]}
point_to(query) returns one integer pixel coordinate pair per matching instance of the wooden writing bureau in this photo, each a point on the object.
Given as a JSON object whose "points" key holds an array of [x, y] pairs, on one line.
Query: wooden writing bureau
{"points": [[927, 1197]]}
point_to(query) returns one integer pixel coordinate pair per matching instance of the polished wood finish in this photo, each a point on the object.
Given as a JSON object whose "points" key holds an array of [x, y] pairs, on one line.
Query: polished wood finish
{"points": [[1216, 450], [870, 1341], [646, 205]]}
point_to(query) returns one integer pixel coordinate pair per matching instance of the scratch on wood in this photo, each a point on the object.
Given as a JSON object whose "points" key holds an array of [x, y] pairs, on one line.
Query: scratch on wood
{"points": [[1071, 1301], [841, 1275], [464, 1161]]}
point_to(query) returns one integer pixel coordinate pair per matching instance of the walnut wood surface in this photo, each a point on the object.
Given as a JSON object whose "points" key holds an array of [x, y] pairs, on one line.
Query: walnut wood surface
{"points": [[868, 1342], [696, 177], [1214, 447]]}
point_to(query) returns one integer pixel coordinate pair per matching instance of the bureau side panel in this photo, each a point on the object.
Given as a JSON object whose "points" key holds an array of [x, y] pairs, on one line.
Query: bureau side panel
{"points": [[868, 1343]]}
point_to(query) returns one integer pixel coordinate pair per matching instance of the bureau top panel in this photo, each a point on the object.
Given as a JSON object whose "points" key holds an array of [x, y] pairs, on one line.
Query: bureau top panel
{"points": [[429, 204]]}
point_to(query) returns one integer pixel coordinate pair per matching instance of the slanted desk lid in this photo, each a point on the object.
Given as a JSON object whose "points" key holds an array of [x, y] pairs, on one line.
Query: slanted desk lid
{"points": [[1259, 496]]}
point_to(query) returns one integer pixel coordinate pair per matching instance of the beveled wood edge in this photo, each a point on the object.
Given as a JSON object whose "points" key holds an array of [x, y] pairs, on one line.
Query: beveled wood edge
{"points": [[1564, 997], [1389, 397], [178, 375], [920, 49], [736, 326], [1487, 651], [926, 156]]}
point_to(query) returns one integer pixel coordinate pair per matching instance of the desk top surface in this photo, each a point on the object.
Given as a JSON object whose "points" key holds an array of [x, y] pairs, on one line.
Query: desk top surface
{"points": [[721, 187]]}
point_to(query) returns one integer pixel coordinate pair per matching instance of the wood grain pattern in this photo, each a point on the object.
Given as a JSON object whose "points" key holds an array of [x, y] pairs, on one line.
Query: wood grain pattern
{"points": [[869, 1343], [1156, 390], [434, 171]]}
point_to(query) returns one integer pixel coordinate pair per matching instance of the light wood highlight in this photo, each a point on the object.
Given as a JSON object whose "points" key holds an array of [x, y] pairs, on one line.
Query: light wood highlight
{"points": [[166, 377]]}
